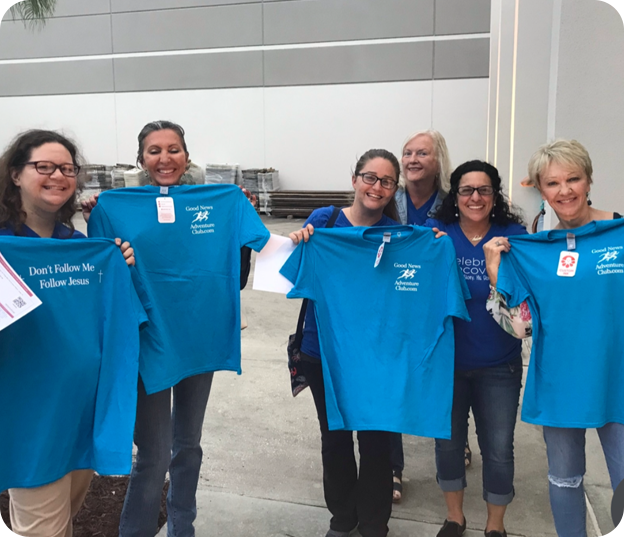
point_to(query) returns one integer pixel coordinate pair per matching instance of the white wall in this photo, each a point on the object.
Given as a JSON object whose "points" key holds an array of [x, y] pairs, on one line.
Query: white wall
{"points": [[590, 93], [311, 134]]}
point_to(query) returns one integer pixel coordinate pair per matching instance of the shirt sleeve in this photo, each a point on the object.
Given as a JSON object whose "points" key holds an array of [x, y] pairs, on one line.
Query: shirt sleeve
{"points": [[299, 271], [99, 224], [253, 233], [509, 283]]}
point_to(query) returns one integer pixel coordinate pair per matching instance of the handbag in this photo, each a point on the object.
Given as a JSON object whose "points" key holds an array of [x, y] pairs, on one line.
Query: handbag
{"points": [[295, 365]]}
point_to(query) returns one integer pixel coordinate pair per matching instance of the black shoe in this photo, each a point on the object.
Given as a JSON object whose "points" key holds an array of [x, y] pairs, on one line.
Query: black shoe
{"points": [[495, 534], [451, 529]]}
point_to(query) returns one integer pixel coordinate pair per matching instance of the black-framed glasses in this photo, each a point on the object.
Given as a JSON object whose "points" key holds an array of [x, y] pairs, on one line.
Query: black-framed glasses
{"points": [[468, 190], [387, 182], [48, 168]]}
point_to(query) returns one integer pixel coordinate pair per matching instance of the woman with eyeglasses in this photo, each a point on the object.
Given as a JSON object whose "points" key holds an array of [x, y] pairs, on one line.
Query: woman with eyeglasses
{"points": [[488, 362], [363, 500], [38, 193]]}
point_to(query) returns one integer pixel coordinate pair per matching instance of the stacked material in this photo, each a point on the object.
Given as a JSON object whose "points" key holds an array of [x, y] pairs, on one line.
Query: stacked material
{"points": [[221, 173], [301, 203], [260, 182], [98, 178]]}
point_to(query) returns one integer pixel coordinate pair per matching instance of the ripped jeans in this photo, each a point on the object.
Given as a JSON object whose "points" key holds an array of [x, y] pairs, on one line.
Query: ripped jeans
{"points": [[566, 450]]}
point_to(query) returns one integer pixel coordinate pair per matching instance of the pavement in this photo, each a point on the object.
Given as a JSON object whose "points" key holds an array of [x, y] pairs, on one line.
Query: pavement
{"points": [[261, 473]]}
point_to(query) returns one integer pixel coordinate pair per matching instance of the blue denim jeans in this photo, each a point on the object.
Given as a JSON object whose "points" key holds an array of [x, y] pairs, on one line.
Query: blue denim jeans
{"points": [[167, 435], [493, 395], [566, 450]]}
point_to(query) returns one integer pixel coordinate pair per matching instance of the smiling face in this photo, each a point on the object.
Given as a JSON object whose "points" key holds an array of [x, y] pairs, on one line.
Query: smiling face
{"points": [[565, 188], [475, 208], [164, 157], [45, 193], [374, 197], [419, 159]]}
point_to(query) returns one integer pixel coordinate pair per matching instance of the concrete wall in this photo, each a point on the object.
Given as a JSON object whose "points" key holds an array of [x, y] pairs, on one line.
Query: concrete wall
{"points": [[557, 72], [304, 86]]}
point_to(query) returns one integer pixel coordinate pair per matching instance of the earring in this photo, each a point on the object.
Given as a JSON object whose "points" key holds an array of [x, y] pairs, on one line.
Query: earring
{"points": [[588, 198], [146, 173], [456, 206]]}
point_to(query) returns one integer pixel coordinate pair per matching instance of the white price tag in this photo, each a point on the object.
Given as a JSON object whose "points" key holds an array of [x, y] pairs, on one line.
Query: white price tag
{"points": [[387, 236], [16, 299], [568, 261], [165, 208]]}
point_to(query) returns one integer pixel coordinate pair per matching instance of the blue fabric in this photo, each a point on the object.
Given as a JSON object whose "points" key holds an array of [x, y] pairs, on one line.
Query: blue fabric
{"points": [[69, 369], [319, 218], [493, 393], [387, 365], [480, 343], [565, 448], [188, 272], [575, 377], [418, 217], [59, 232]]}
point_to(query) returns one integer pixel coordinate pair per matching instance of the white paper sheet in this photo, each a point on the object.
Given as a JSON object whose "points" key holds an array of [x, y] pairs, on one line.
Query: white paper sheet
{"points": [[16, 299], [268, 262]]}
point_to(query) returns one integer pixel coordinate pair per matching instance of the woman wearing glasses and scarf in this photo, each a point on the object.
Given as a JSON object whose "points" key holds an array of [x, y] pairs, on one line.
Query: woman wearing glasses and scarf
{"points": [[488, 363]]}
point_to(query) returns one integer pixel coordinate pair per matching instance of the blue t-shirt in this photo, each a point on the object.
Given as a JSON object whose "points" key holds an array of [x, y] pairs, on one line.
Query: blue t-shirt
{"points": [[481, 342], [385, 332], [188, 273], [575, 377], [69, 369], [59, 232], [418, 217], [319, 218]]}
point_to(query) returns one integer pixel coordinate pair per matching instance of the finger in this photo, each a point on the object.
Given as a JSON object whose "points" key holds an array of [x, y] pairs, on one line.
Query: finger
{"points": [[117, 241]]}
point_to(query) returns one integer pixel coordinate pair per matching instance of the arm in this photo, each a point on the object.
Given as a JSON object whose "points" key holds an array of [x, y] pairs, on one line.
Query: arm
{"points": [[515, 321], [245, 266]]}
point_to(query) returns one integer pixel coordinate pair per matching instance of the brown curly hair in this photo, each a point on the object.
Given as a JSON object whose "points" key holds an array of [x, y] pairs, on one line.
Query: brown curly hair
{"points": [[12, 162]]}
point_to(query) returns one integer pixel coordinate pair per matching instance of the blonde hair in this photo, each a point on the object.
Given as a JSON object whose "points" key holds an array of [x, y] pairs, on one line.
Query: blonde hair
{"points": [[442, 157], [562, 151]]}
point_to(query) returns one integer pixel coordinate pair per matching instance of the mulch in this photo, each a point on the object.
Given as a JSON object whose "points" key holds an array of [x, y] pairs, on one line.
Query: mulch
{"points": [[99, 516]]}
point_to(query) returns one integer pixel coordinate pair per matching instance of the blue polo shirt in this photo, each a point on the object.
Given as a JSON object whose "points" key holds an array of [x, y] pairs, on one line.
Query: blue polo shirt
{"points": [[480, 342], [188, 273], [575, 377]]}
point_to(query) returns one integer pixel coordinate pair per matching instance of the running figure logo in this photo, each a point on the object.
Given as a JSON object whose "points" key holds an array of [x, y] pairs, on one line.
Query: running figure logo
{"points": [[201, 215], [407, 274], [610, 255]]}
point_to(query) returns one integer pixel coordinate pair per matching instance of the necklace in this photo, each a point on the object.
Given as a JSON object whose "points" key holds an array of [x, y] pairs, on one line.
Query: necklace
{"points": [[476, 237]]}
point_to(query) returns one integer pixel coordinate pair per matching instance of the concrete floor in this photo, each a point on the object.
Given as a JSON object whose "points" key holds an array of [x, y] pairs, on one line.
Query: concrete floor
{"points": [[261, 472]]}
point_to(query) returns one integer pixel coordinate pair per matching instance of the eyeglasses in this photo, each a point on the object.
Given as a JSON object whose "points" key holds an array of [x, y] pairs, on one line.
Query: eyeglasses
{"points": [[468, 190], [387, 182], [48, 168]]}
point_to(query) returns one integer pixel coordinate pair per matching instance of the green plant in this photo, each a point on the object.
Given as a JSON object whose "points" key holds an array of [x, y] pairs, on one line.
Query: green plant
{"points": [[33, 13]]}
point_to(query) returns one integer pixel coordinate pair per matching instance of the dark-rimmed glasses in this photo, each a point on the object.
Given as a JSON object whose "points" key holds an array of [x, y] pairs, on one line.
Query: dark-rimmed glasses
{"points": [[387, 182], [48, 168], [468, 190]]}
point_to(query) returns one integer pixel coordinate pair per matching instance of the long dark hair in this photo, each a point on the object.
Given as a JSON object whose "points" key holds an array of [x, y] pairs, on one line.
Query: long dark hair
{"points": [[390, 209], [502, 213], [12, 162]]}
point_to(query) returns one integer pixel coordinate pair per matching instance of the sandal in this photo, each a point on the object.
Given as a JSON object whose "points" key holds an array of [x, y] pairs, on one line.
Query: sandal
{"points": [[397, 489], [467, 456]]}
